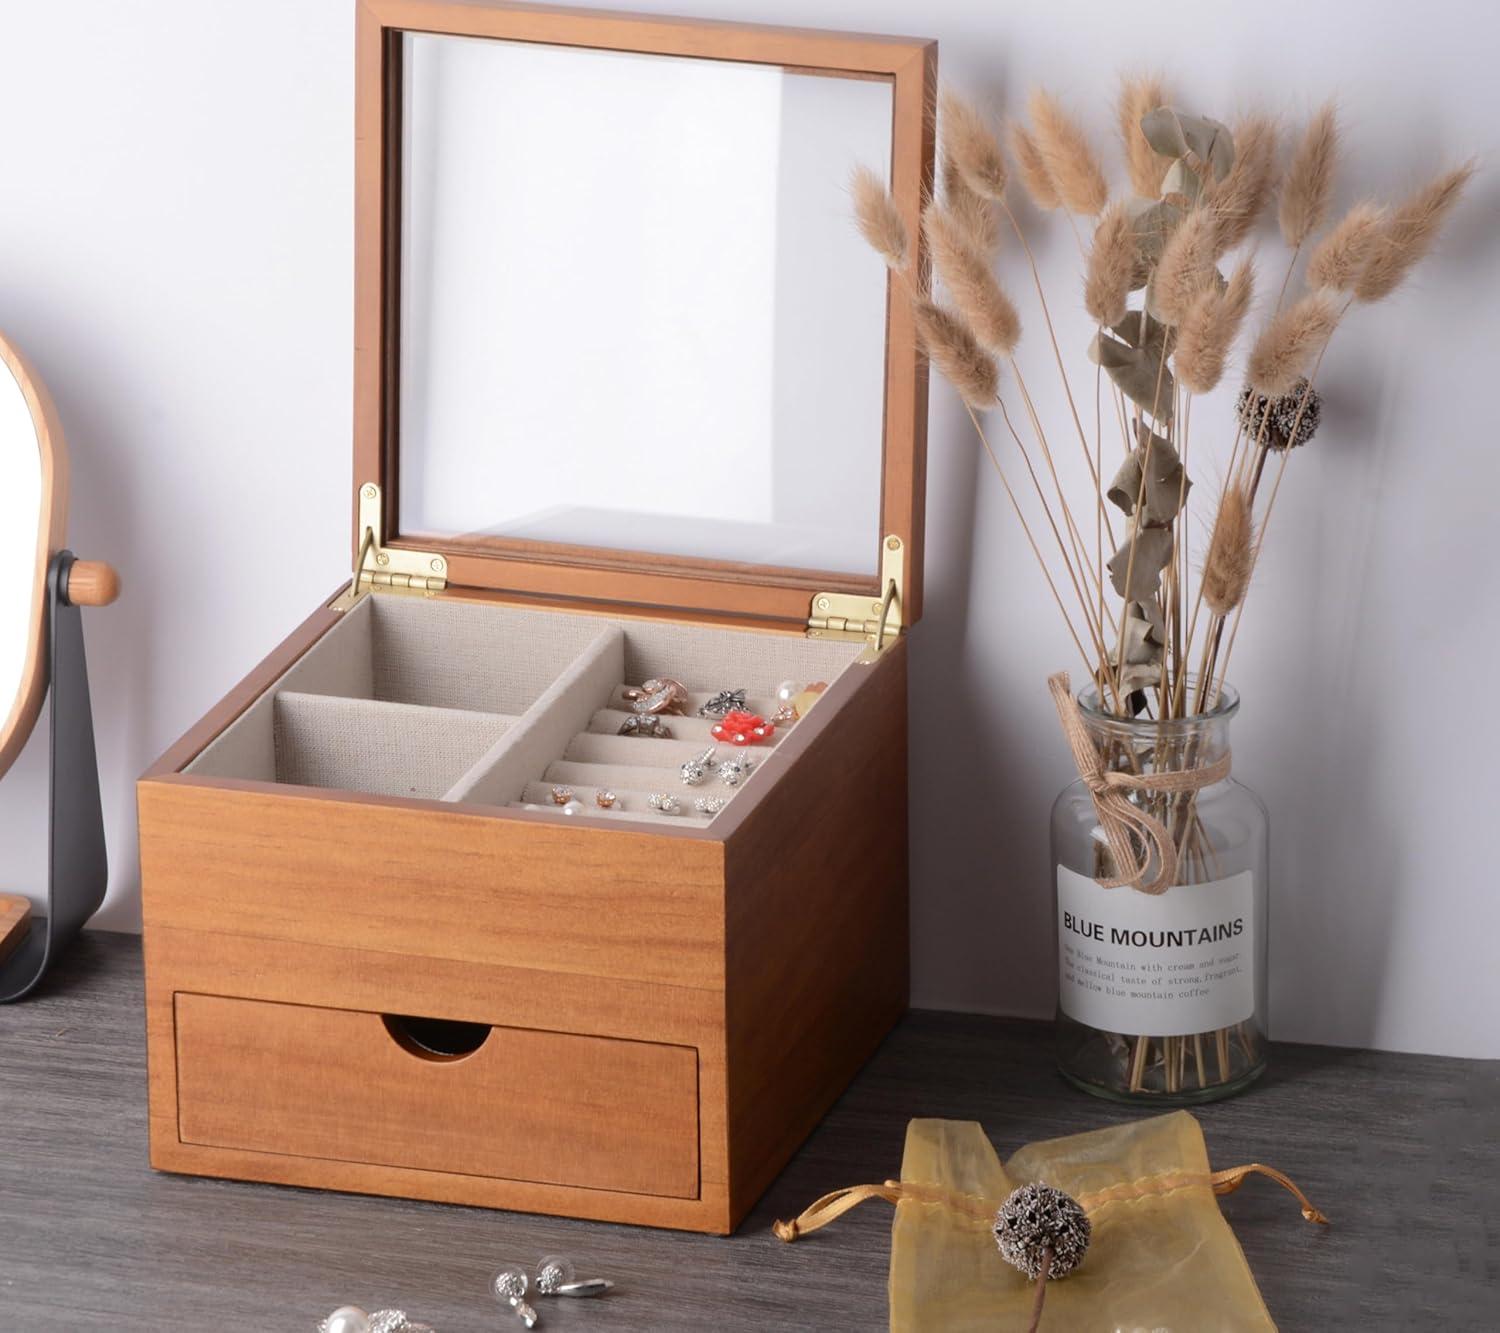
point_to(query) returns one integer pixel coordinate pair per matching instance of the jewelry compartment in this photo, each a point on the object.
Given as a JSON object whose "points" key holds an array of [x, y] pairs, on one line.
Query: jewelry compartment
{"points": [[392, 703], [574, 741], [517, 1103], [382, 748], [494, 705]]}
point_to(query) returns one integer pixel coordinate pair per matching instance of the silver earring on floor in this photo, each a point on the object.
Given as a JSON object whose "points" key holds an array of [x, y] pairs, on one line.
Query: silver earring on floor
{"points": [[555, 1276], [351, 1319], [509, 1287]]}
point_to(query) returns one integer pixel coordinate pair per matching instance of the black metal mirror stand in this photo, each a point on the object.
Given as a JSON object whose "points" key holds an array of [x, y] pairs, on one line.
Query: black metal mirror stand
{"points": [[77, 867]]}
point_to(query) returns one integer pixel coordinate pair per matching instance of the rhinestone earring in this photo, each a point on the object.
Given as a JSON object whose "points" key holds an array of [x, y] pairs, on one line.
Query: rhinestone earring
{"points": [[555, 1276], [736, 769], [695, 770], [509, 1286]]}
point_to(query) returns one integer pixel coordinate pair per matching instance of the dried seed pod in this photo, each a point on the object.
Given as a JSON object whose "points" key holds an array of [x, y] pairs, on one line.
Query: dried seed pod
{"points": [[1038, 1219], [1140, 94], [1040, 187], [973, 147], [1111, 265], [1070, 160], [1340, 257], [1285, 422], [878, 218], [965, 271], [1288, 344], [1409, 232], [950, 345], [1231, 554], [1308, 188]]}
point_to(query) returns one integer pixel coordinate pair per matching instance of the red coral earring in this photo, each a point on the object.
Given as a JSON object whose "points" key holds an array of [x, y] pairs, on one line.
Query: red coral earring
{"points": [[741, 728]]}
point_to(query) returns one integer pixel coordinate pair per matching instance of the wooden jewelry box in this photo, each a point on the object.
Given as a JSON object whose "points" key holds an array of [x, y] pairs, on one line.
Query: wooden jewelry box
{"points": [[379, 958]]}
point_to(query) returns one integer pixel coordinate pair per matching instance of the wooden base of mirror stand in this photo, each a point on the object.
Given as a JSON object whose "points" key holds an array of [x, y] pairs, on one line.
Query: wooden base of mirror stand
{"points": [[14, 913]]}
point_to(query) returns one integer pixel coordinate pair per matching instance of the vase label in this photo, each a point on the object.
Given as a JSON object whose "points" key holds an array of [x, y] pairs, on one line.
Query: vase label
{"points": [[1156, 964]]}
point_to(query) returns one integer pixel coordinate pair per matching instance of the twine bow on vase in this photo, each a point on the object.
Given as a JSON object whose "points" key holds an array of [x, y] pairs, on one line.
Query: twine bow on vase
{"points": [[1136, 837]]}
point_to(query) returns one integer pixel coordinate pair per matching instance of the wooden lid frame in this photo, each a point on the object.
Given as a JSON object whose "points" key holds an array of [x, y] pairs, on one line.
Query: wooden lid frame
{"points": [[548, 570]]}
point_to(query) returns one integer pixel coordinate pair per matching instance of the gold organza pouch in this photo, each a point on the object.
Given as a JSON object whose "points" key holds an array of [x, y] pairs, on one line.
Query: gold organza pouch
{"points": [[1161, 1256]]}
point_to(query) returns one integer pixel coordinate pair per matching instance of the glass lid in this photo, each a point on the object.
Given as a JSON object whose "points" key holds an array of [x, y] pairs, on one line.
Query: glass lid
{"points": [[634, 314]]}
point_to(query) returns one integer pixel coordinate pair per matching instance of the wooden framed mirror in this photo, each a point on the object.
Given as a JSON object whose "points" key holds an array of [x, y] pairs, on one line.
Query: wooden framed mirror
{"points": [[41, 647], [33, 520]]}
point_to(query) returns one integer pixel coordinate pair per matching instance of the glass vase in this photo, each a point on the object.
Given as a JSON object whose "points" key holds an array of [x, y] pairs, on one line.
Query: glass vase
{"points": [[1162, 996]]}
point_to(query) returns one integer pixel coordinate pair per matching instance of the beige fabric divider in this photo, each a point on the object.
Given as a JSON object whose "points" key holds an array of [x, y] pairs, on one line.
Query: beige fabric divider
{"points": [[496, 659], [542, 733], [588, 747], [387, 749], [619, 777], [338, 664], [706, 659]]}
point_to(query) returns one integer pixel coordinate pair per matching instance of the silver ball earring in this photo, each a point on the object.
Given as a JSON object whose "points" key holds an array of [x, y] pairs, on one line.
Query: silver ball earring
{"points": [[509, 1286], [695, 770], [556, 1276]]}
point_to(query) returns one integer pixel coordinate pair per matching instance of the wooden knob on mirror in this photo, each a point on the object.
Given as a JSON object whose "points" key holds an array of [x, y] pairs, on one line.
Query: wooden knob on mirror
{"points": [[92, 583]]}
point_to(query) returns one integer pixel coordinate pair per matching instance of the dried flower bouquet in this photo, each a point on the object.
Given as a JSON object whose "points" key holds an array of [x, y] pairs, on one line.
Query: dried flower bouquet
{"points": [[1169, 281]]}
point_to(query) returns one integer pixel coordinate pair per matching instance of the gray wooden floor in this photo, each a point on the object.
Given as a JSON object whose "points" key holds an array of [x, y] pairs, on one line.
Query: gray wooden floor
{"points": [[1401, 1151]]}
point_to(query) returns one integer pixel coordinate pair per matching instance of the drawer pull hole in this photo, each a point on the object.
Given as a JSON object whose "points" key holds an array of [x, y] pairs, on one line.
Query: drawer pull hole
{"points": [[436, 1038]]}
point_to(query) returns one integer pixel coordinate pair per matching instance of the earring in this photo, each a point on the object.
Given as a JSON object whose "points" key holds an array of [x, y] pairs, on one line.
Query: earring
{"points": [[555, 1276], [695, 770], [351, 1319], [736, 769], [509, 1286]]}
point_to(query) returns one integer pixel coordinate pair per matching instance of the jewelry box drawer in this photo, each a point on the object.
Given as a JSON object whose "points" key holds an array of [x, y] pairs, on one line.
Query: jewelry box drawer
{"points": [[500, 1102]]}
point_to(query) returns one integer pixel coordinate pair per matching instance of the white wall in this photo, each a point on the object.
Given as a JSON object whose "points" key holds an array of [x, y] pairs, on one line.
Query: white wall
{"points": [[175, 255]]}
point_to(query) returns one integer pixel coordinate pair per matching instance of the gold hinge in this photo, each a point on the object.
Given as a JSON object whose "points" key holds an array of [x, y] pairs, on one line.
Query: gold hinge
{"points": [[379, 568], [842, 615]]}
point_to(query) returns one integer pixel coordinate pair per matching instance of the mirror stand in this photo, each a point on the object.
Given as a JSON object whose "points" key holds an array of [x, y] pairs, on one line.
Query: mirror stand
{"points": [[77, 869]]}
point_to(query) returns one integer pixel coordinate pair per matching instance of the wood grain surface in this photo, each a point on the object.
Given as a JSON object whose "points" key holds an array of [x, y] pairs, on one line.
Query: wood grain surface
{"points": [[451, 884], [638, 578], [530, 1105], [816, 941], [92, 583], [1400, 1150], [468, 992], [15, 911]]}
